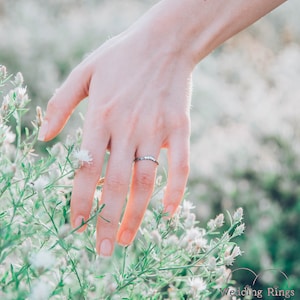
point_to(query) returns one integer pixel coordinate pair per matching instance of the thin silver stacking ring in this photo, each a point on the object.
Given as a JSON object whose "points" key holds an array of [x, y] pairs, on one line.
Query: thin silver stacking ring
{"points": [[146, 157]]}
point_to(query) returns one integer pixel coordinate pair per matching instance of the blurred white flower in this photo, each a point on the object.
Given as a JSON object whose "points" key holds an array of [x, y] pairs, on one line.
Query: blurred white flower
{"points": [[64, 231], [18, 80], [239, 230], [70, 141], [189, 222], [42, 260], [81, 157], [187, 206], [238, 215], [216, 223], [231, 254], [211, 263], [6, 136], [196, 285], [3, 72], [171, 240], [156, 237], [40, 291], [40, 184], [223, 275], [20, 96]]}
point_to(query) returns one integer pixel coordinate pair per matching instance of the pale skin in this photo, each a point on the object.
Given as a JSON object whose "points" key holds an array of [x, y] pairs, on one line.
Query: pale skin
{"points": [[138, 86]]}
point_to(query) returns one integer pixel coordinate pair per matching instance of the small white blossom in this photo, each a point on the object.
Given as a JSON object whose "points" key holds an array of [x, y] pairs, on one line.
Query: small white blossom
{"points": [[70, 141], [196, 285], [3, 72], [156, 237], [149, 293], [81, 157], [231, 254], [57, 150], [5, 103], [64, 231], [239, 230], [40, 291], [189, 222], [171, 240], [211, 263], [187, 206], [216, 223], [20, 96], [19, 79], [238, 215], [223, 276], [42, 260], [40, 184], [199, 244], [6, 136]]}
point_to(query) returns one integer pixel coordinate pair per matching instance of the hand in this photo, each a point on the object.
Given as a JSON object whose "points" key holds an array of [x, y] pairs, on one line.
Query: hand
{"points": [[138, 102]]}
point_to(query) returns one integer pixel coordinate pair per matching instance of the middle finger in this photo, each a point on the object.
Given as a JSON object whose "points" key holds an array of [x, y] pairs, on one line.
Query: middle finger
{"points": [[114, 193]]}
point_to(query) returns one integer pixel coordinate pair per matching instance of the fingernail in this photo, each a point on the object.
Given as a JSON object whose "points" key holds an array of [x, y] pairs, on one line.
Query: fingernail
{"points": [[105, 248], [125, 238], [169, 210], [43, 131], [78, 221]]}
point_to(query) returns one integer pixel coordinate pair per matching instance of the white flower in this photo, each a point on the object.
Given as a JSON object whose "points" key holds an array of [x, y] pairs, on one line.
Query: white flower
{"points": [[171, 240], [187, 206], [64, 231], [82, 156], [239, 230], [149, 293], [40, 291], [3, 72], [231, 254], [238, 215], [40, 184], [70, 141], [156, 237], [216, 223], [6, 136], [200, 243], [196, 285], [18, 81], [20, 96], [211, 263], [42, 260], [189, 222]]}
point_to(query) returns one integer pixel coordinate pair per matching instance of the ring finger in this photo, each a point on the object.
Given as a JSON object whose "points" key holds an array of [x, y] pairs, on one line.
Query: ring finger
{"points": [[143, 178]]}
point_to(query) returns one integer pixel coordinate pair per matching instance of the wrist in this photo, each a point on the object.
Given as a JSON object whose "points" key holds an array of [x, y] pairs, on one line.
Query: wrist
{"points": [[191, 29]]}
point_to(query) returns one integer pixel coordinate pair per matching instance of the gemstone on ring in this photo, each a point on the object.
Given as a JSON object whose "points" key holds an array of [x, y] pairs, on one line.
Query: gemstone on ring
{"points": [[146, 157]]}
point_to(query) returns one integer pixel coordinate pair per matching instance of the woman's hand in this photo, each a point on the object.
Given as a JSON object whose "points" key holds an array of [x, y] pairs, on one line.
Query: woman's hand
{"points": [[138, 102], [138, 86]]}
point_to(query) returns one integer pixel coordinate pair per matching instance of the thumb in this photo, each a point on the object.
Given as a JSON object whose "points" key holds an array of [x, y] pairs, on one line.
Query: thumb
{"points": [[64, 101]]}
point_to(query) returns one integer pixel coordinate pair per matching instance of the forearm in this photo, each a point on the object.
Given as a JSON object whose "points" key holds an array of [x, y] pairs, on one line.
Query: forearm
{"points": [[194, 28]]}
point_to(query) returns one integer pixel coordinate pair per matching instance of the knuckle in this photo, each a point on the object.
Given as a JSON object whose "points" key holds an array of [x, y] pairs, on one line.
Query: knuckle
{"points": [[90, 169], [115, 183], [183, 167], [180, 121], [144, 180]]}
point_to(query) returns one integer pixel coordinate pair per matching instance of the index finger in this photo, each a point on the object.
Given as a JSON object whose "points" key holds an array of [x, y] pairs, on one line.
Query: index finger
{"points": [[95, 141]]}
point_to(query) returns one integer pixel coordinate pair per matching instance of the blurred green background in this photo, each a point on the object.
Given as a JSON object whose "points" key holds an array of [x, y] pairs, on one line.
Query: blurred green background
{"points": [[245, 148]]}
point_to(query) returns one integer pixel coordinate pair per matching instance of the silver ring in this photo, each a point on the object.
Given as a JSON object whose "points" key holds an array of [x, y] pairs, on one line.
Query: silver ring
{"points": [[146, 157]]}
